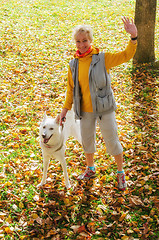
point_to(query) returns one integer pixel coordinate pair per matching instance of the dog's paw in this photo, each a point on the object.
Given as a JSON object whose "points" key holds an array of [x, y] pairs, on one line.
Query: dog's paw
{"points": [[68, 186], [40, 185]]}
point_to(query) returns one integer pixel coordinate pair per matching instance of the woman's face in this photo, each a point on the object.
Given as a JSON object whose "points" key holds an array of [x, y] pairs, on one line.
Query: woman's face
{"points": [[82, 42]]}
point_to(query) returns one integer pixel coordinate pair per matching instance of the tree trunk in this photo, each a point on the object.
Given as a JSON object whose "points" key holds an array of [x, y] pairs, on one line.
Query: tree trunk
{"points": [[145, 14]]}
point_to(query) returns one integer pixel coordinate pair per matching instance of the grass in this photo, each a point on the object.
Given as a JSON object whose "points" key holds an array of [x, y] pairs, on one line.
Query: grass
{"points": [[35, 49]]}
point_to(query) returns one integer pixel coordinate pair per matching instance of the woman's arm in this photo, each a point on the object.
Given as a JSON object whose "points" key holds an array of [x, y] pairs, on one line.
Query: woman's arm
{"points": [[69, 93], [115, 59], [68, 101]]}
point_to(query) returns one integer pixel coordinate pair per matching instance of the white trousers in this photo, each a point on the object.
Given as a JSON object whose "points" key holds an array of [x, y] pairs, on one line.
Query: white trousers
{"points": [[108, 127]]}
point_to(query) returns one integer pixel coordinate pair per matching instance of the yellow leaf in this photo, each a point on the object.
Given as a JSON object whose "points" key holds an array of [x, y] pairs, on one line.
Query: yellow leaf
{"points": [[16, 146], [130, 231], [34, 216], [103, 178], [125, 238], [9, 219], [127, 178], [8, 230], [7, 184], [22, 237], [67, 202], [21, 205]]}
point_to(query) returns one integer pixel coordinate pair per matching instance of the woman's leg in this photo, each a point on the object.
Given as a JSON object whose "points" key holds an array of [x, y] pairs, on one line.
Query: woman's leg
{"points": [[120, 173], [89, 159], [88, 133], [119, 161], [109, 131], [90, 170]]}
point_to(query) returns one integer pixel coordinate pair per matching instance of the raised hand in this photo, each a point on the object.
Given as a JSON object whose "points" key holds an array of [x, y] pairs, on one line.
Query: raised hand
{"points": [[129, 26]]}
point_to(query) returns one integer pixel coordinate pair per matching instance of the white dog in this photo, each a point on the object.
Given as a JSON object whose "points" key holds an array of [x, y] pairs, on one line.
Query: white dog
{"points": [[52, 141]]}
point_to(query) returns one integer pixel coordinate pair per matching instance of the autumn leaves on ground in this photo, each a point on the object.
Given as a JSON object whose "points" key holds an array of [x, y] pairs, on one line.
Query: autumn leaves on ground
{"points": [[35, 48]]}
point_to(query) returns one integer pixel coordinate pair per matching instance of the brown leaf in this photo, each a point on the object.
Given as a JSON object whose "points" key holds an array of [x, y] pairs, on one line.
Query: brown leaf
{"points": [[75, 228], [51, 232], [145, 228], [135, 201], [81, 229], [39, 220], [122, 216]]}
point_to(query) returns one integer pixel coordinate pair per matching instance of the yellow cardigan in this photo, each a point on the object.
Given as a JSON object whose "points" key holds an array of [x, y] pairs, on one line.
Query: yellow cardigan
{"points": [[111, 60]]}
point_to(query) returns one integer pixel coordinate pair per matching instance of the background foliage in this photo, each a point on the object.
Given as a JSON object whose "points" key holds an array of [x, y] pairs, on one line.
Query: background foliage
{"points": [[35, 48]]}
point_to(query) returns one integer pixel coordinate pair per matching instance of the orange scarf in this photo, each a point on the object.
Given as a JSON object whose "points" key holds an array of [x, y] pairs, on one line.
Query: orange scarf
{"points": [[78, 54]]}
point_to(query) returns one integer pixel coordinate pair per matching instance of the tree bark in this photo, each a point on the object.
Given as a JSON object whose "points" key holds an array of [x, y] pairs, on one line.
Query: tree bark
{"points": [[145, 14]]}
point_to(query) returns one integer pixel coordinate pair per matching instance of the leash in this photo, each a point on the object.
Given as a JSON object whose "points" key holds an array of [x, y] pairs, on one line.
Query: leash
{"points": [[63, 120]]}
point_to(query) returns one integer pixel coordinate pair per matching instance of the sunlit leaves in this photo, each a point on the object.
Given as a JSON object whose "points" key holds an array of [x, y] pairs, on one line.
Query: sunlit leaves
{"points": [[35, 48]]}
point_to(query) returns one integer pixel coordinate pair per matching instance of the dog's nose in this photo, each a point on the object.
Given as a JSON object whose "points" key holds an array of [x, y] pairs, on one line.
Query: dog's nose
{"points": [[43, 135]]}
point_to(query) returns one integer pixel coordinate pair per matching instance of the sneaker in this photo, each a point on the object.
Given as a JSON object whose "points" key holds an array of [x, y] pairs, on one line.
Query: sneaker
{"points": [[121, 181], [87, 174]]}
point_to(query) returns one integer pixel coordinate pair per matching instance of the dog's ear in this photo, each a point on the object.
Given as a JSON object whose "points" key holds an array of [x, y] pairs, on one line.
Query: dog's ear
{"points": [[45, 116], [57, 120]]}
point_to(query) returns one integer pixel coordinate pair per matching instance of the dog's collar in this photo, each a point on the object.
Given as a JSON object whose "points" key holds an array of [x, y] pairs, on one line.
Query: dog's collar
{"points": [[59, 147], [48, 146], [56, 150]]}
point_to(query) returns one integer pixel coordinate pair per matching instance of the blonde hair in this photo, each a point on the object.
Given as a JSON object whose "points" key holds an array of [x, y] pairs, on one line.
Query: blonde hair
{"points": [[83, 29]]}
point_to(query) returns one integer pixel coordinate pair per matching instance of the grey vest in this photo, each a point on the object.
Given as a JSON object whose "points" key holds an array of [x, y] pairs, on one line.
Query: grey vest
{"points": [[99, 84]]}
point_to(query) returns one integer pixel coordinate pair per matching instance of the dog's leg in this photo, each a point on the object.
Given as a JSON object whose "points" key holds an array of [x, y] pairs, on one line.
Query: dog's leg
{"points": [[46, 160], [64, 167]]}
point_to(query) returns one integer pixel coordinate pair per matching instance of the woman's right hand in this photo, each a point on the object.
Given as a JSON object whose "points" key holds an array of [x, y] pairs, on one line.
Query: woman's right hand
{"points": [[130, 26], [62, 116]]}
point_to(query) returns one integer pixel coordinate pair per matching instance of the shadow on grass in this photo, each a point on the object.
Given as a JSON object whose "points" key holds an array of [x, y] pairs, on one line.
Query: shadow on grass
{"points": [[144, 92], [64, 213]]}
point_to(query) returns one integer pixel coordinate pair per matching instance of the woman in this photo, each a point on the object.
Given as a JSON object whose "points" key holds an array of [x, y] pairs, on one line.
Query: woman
{"points": [[89, 88]]}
